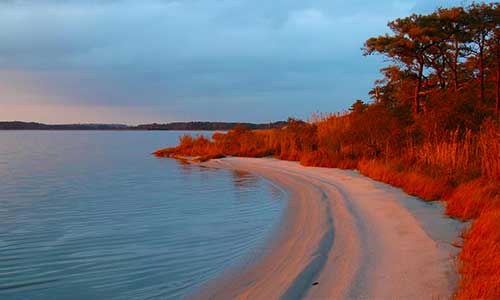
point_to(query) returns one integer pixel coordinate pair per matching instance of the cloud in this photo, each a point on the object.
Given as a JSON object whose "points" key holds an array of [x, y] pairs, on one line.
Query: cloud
{"points": [[192, 59]]}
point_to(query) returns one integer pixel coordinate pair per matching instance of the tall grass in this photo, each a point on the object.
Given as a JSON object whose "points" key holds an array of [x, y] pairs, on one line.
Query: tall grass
{"points": [[451, 156], [479, 261]]}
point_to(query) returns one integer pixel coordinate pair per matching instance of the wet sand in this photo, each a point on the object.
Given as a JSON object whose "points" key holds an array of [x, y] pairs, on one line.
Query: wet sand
{"points": [[344, 236]]}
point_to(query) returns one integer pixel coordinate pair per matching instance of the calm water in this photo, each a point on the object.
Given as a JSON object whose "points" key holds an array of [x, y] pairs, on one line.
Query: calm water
{"points": [[91, 215]]}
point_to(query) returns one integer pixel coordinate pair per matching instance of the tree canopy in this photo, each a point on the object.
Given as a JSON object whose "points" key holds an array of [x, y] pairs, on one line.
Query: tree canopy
{"points": [[451, 52]]}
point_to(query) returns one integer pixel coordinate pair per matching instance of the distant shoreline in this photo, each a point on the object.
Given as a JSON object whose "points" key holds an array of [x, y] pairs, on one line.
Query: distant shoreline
{"points": [[122, 130], [175, 126]]}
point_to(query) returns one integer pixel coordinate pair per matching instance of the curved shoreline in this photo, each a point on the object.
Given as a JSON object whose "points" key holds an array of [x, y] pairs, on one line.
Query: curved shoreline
{"points": [[344, 236]]}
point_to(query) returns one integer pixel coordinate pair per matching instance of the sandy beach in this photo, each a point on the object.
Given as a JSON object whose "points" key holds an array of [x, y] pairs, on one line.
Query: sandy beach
{"points": [[345, 236]]}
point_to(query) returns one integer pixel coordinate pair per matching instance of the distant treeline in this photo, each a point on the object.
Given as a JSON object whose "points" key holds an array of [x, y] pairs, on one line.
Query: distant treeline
{"points": [[209, 126], [17, 125]]}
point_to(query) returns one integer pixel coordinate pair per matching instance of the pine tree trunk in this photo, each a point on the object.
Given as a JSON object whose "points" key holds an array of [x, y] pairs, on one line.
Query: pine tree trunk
{"points": [[497, 82], [481, 71], [455, 70], [416, 100]]}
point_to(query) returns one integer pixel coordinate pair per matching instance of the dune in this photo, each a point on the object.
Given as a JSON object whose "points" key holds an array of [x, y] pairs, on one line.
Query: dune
{"points": [[344, 236]]}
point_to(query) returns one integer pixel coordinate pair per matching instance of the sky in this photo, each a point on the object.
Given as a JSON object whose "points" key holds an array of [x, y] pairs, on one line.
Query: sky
{"points": [[143, 61]]}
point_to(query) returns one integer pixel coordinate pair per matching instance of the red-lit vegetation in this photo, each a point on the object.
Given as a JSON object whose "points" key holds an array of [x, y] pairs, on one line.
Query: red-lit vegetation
{"points": [[432, 129]]}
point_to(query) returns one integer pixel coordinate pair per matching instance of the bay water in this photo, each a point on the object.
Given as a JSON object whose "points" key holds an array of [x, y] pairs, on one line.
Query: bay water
{"points": [[93, 215]]}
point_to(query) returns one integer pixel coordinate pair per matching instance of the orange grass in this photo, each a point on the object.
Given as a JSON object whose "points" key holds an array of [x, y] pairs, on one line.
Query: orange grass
{"points": [[479, 259], [411, 182], [470, 200]]}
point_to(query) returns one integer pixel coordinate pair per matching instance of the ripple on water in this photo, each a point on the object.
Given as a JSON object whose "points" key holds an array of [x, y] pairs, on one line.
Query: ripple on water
{"points": [[92, 215]]}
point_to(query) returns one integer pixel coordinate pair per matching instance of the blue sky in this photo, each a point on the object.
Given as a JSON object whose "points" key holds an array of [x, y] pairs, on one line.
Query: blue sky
{"points": [[124, 61]]}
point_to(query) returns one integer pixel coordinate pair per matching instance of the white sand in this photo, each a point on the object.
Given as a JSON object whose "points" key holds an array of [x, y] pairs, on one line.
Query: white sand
{"points": [[355, 237]]}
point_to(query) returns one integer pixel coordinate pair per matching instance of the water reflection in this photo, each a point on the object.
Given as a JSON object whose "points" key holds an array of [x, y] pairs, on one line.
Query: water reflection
{"points": [[244, 180], [241, 179]]}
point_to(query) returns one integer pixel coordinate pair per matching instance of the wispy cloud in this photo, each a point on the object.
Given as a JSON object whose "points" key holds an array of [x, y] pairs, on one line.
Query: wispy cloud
{"points": [[190, 59]]}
